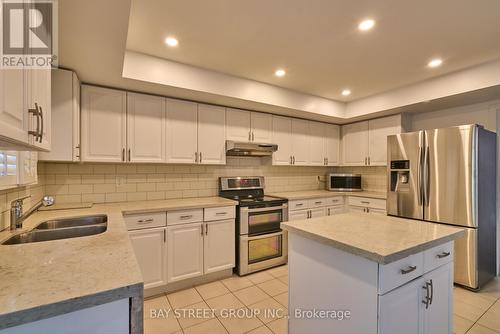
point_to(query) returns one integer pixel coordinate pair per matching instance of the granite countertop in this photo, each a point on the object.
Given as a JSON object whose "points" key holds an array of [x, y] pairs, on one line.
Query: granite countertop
{"points": [[44, 279], [307, 194], [383, 239]]}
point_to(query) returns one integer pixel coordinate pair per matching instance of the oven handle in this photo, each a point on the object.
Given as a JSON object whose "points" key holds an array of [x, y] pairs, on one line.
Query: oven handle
{"points": [[262, 236], [281, 207]]}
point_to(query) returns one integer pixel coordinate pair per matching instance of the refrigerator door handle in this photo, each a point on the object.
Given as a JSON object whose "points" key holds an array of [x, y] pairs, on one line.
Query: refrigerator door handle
{"points": [[426, 176], [419, 176]]}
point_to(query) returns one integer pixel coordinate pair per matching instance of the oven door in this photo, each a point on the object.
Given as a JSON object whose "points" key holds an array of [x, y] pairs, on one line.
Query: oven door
{"points": [[262, 251], [254, 221]]}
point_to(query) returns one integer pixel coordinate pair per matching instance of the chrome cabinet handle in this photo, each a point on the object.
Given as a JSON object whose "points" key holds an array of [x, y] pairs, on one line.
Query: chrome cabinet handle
{"points": [[319, 202], [365, 161], [41, 124], [294, 159], [220, 213], [443, 255], [123, 154], [409, 270], [335, 200], [369, 161], [201, 229], [252, 136], [201, 159], [145, 221], [428, 299], [35, 113], [164, 235], [186, 216], [329, 211], [327, 161], [290, 160], [249, 136], [195, 156], [365, 202], [128, 154], [206, 229], [432, 292], [299, 204]]}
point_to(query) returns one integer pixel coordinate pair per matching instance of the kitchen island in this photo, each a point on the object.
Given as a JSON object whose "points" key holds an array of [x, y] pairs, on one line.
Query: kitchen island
{"points": [[357, 273]]}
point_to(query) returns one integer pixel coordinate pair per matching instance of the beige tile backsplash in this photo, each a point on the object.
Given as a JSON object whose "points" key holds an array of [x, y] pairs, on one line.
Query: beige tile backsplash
{"points": [[102, 183]]}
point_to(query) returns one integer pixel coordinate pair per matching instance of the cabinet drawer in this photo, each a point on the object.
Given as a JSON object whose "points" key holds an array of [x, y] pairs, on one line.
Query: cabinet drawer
{"points": [[437, 256], [143, 220], [225, 212], [184, 216], [337, 200], [298, 204], [317, 202], [397, 273], [374, 203]]}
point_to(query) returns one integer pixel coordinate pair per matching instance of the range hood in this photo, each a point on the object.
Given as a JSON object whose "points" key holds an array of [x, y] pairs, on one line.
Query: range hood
{"points": [[244, 149]]}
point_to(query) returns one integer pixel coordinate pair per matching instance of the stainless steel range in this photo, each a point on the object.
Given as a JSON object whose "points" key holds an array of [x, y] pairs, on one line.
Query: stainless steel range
{"points": [[260, 242]]}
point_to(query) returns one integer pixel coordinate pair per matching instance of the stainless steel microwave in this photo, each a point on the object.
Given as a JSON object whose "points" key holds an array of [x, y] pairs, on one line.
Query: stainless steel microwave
{"points": [[344, 182]]}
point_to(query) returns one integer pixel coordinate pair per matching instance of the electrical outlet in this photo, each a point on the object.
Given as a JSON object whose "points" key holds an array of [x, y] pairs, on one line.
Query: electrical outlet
{"points": [[120, 180]]}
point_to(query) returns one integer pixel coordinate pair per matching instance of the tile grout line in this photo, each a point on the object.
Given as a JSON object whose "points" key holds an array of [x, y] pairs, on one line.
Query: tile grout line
{"points": [[476, 322]]}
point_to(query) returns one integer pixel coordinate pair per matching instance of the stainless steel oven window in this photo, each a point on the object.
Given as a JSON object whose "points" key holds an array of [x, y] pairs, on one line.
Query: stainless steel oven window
{"points": [[265, 248], [259, 220]]}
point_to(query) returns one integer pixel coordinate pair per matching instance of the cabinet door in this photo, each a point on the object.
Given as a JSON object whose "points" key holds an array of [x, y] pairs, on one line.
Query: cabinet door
{"points": [[104, 114], [378, 131], [38, 90], [357, 209], [300, 142], [282, 136], [298, 215], [150, 252], [355, 144], [335, 210], [332, 144], [318, 212], [377, 211], [400, 311], [317, 139], [13, 110], [438, 316], [238, 125], [219, 245], [211, 134], [184, 251], [261, 127], [182, 131], [146, 128]]}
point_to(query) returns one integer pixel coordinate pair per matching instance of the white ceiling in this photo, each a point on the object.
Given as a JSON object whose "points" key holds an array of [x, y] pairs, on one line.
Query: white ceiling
{"points": [[317, 42]]}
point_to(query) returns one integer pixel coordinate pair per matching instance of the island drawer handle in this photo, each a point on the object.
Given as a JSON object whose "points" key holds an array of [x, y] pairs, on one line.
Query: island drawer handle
{"points": [[186, 216], [409, 270], [443, 254], [145, 221]]}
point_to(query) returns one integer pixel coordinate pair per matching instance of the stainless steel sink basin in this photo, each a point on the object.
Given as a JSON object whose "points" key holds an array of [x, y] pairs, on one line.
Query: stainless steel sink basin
{"points": [[61, 229], [72, 222]]}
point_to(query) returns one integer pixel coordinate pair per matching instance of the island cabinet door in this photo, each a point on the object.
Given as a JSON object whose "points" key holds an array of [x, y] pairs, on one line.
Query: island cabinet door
{"points": [[438, 315], [184, 251], [149, 249], [400, 310]]}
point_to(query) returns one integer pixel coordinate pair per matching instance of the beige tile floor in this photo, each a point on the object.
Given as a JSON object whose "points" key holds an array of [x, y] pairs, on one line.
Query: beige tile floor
{"points": [[189, 311]]}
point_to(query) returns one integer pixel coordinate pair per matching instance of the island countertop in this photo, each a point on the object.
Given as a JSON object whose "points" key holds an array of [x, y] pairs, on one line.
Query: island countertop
{"points": [[43, 279], [383, 239]]}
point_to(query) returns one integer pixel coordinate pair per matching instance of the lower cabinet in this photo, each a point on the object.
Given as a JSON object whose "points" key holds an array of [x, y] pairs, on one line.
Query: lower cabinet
{"points": [[335, 210], [195, 249], [421, 306], [149, 247], [184, 251]]}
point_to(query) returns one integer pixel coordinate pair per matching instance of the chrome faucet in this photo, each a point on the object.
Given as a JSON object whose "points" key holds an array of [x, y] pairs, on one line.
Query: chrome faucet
{"points": [[16, 210]]}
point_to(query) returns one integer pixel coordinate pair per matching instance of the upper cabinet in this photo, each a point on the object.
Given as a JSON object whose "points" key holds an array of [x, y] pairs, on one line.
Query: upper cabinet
{"points": [[282, 136], [300, 142], [332, 143], [324, 144], [211, 134], [248, 126], [65, 137], [146, 128], [25, 109], [104, 114], [182, 131], [365, 143]]}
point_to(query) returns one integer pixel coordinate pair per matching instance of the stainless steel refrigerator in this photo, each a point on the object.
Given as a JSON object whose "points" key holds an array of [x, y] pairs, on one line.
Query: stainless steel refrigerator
{"points": [[448, 176]]}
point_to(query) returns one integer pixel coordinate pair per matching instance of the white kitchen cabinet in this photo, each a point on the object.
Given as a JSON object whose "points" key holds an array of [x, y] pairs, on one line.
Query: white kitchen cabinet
{"points": [[184, 251], [248, 126], [317, 143], [261, 127], [104, 113], [355, 144], [423, 306], [332, 144], [182, 131], [150, 251], [146, 128], [365, 143], [39, 96], [298, 215], [335, 210], [317, 212], [378, 130], [65, 138], [211, 134], [300, 142], [219, 245], [238, 125], [14, 119], [282, 136]]}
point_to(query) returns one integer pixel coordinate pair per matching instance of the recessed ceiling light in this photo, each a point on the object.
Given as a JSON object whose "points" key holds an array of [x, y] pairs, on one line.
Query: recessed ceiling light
{"points": [[280, 73], [435, 62], [346, 92], [366, 25], [171, 41]]}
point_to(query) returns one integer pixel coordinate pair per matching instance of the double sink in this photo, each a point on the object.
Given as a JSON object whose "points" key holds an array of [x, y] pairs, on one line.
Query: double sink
{"points": [[61, 229]]}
